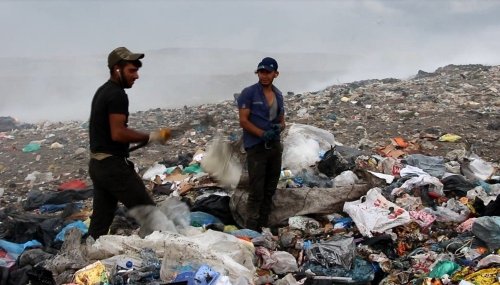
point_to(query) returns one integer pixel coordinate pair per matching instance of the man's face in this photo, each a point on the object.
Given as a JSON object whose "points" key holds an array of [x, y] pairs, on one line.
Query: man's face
{"points": [[130, 73], [266, 77]]}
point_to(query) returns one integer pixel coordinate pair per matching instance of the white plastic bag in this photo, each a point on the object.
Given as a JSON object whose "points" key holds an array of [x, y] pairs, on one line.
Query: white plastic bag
{"points": [[221, 162], [476, 168], [176, 211], [375, 213], [303, 144], [346, 178], [435, 185], [156, 169], [285, 262], [151, 219]]}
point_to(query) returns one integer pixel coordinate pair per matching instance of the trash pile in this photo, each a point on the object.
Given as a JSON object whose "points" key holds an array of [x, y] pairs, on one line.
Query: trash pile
{"points": [[370, 192]]}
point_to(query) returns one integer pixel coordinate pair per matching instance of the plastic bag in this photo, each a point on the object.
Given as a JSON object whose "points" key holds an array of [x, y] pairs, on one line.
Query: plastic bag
{"points": [[91, 274], [177, 211], [337, 160], [199, 219], [443, 267], [309, 178], [156, 169], [40, 276], [303, 144], [435, 185], [434, 165], [221, 162], [475, 168], [374, 213], [31, 147], [151, 219], [346, 178], [305, 224], [340, 251], [81, 226], [224, 253], [72, 185], [285, 262], [488, 230], [444, 214]]}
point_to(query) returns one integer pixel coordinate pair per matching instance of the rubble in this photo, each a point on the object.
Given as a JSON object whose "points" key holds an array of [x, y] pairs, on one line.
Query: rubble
{"points": [[420, 154]]}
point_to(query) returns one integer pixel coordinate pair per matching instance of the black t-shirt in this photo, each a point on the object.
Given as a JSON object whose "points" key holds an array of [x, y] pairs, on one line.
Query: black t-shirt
{"points": [[110, 98]]}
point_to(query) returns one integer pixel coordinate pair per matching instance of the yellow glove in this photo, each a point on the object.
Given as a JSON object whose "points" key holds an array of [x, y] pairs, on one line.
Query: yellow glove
{"points": [[160, 136]]}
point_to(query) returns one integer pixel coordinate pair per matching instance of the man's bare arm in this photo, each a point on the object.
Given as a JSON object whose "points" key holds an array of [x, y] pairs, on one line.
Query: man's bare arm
{"points": [[120, 132]]}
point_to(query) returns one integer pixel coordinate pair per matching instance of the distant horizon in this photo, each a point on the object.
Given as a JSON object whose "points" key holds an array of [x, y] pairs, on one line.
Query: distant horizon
{"points": [[135, 110], [53, 57]]}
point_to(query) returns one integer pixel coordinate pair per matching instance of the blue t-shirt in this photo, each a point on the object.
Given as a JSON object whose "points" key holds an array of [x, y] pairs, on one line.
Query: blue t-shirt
{"points": [[253, 98]]}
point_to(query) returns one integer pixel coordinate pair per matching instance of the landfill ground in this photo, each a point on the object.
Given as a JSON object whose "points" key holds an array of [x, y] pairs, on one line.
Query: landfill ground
{"points": [[453, 109], [462, 100]]}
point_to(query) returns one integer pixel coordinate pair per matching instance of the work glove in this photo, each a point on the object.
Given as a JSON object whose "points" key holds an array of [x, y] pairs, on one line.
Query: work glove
{"points": [[270, 135], [160, 136], [276, 128]]}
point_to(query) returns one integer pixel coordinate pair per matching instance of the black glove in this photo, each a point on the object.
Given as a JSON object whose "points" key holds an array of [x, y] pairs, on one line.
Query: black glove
{"points": [[276, 128], [270, 135]]}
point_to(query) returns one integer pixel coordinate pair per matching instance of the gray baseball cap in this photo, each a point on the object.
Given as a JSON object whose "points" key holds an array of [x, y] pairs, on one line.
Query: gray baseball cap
{"points": [[122, 53]]}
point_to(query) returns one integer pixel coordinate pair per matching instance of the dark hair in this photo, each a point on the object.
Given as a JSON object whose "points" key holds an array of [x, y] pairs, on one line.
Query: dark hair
{"points": [[137, 63]]}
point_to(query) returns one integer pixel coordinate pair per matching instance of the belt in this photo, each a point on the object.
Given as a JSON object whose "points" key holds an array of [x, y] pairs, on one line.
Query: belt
{"points": [[266, 145], [99, 155]]}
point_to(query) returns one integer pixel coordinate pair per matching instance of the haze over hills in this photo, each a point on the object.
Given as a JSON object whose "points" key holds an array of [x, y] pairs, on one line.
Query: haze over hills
{"points": [[36, 89]]}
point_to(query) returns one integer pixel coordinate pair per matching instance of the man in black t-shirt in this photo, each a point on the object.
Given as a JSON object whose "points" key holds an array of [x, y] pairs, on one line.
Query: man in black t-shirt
{"points": [[113, 175]]}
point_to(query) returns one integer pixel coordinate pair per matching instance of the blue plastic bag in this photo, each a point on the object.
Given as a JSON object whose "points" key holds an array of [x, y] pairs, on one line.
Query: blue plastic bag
{"points": [[198, 219], [78, 224], [205, 276]]}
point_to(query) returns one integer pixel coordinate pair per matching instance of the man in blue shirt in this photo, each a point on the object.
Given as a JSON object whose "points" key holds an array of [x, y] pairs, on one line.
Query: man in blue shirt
{"points": [[262, 117]]}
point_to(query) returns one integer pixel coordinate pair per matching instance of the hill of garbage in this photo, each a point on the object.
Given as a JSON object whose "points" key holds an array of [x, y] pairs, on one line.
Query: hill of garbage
{"points": [[385, 181]]}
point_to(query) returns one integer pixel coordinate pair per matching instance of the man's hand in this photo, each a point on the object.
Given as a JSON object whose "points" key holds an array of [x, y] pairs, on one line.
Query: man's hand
{"points": [[270, 135], [160, 136], [276, 128]]}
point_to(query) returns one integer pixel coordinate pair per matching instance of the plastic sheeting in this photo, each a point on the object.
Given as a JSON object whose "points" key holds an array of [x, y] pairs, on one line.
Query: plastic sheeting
{"points": [[223, 252]]}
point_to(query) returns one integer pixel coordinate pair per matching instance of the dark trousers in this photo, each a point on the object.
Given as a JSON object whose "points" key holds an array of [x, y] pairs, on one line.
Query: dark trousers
{"points": [[264, 167], [114, 180]]}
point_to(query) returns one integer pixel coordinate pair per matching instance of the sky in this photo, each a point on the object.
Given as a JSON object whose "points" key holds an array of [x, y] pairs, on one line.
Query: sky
{"points": [[53, 53]]}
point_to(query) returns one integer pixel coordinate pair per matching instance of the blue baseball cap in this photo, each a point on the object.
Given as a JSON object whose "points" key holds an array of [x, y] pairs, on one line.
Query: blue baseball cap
{"points": [[268, 63]]}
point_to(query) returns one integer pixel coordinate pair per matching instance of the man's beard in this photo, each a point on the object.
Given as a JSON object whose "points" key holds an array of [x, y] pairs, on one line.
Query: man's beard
{"points": [[125, 84]]}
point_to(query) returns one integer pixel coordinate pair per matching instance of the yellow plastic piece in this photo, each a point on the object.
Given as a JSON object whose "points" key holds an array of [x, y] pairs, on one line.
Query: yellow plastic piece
{"points": [[91, 274], [450, 138]]}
